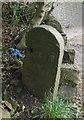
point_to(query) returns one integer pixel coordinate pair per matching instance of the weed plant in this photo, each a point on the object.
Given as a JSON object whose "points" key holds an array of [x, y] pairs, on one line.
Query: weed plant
{"points": [[59, 108]]}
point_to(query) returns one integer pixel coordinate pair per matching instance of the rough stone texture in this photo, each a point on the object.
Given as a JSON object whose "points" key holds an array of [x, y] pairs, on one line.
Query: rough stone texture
{"points": [[67, 91], [68, 81], [69, 74], [69, 55], [58, 27], [69, 13], [41, 61]]}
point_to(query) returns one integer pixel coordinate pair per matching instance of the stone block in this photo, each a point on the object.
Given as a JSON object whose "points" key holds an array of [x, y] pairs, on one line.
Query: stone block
{"points": [[69, 74], [69, 55], [67, 92], [68, 81]]}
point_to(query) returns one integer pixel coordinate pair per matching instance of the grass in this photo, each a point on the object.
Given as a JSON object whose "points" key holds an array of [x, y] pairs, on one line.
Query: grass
{"points": [[60, 108]]}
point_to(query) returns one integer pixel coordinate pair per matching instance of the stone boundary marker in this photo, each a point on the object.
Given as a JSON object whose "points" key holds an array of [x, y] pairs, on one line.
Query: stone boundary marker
{"points": [[42, 63]]}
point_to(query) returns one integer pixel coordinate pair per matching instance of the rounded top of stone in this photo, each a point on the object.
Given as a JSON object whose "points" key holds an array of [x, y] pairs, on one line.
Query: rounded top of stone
{"points": [[54, 32]]}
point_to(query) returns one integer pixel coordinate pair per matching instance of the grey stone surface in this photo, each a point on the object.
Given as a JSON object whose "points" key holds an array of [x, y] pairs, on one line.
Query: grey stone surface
{"points": [[69, 74], [42, 58], [69, 14], [54, 23], [67, 91], [69, 55], [68, 81]]}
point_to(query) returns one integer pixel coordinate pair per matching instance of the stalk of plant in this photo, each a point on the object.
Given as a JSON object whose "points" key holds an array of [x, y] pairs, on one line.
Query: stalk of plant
{"points": [[59, 108]]}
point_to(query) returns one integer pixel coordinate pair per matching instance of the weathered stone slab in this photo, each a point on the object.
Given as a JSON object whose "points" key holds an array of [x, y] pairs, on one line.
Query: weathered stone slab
{"points": [[42, 63], [69, 55]]}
